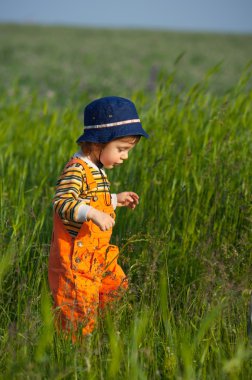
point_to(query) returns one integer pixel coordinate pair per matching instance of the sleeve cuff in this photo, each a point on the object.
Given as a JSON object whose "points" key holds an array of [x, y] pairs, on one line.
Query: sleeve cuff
{"points": [[114, 200], [82, 213]]}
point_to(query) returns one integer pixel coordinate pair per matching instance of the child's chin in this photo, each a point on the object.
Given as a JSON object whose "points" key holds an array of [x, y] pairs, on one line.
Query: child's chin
{"points": [[111, 166]]}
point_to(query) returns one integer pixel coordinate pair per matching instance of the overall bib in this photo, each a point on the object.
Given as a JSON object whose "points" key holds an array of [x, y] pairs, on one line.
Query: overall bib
{"points": [[83, 271]]}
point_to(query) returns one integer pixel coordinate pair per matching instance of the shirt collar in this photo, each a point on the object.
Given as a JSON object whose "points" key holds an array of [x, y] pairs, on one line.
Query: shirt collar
{"points": [[84, 158]]}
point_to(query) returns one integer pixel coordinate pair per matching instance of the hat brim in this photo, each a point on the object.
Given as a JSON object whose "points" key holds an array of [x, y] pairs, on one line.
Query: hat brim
{"points": [[111, 133]]}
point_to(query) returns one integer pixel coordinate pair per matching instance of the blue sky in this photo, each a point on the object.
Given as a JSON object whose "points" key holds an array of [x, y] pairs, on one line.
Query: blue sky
{"points": [[205, 15]]}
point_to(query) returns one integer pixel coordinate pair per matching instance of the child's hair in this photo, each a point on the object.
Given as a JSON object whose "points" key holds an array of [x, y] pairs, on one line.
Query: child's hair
{"points": [[86, 146]]}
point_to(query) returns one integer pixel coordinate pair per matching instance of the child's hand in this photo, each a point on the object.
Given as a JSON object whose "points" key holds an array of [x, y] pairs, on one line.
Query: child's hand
{"points": [[101, 219], [128, 199]]}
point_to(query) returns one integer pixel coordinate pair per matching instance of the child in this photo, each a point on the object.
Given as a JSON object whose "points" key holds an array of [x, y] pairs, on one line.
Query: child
{"points": [[83, 271]]}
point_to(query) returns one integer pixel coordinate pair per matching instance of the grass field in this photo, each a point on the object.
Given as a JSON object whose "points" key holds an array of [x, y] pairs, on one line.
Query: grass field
{"points": [[75, 63], [186, 249]]}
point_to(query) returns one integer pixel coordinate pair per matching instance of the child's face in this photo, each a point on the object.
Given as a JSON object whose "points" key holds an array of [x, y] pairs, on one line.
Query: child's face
{"points": [[116, 151]]}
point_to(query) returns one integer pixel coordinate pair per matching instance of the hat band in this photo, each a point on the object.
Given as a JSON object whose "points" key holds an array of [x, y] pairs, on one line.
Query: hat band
{"points": [[112, 124]]}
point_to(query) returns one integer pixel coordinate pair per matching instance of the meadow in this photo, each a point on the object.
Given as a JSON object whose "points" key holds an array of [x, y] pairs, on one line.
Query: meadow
{"points": [[186, 248]]}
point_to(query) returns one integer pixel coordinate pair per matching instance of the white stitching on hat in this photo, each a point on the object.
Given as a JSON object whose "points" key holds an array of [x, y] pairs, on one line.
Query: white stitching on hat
{"points": [[112, 124]]}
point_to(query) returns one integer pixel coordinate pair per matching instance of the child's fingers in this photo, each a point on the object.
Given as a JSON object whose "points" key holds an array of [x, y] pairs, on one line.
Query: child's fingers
{"points": [[132, 203], [128, 199], [107, 226], [102, 220], [132, 206], [108, 223], [135, 200], [131, 200], [134, 195]]}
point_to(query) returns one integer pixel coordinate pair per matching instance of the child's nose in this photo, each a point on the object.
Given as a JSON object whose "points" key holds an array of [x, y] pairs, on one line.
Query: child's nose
{"points": [[125, 155]]}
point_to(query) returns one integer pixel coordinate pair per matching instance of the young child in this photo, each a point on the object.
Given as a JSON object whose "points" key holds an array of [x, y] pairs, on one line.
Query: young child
{"points": [[83, 271]]}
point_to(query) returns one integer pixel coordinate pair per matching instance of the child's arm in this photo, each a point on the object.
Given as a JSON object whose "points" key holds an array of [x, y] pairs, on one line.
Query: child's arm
{"points": [[68, 204], [127, 199]]}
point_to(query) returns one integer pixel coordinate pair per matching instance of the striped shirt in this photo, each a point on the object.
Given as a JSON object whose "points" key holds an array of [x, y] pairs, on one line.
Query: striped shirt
{"points": [[72, 197]]}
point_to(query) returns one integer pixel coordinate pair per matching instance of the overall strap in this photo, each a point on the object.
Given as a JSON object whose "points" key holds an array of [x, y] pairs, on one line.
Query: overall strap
{"points": [[91, 183]]}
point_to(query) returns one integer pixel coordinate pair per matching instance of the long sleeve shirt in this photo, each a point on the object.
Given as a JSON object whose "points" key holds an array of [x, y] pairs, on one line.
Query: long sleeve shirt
{"points": [[72, 198]]}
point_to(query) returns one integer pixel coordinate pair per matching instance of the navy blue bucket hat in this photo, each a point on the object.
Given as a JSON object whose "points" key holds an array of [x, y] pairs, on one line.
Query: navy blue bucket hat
{"points": [[109, 118]]}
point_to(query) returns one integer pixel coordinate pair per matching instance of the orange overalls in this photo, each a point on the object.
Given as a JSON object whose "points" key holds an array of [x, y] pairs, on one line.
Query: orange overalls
{"points": [[83, 271]]}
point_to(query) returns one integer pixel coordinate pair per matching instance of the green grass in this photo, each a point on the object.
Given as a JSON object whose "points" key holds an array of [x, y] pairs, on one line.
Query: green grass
{"points": [[75, 63], [186, 248]]}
